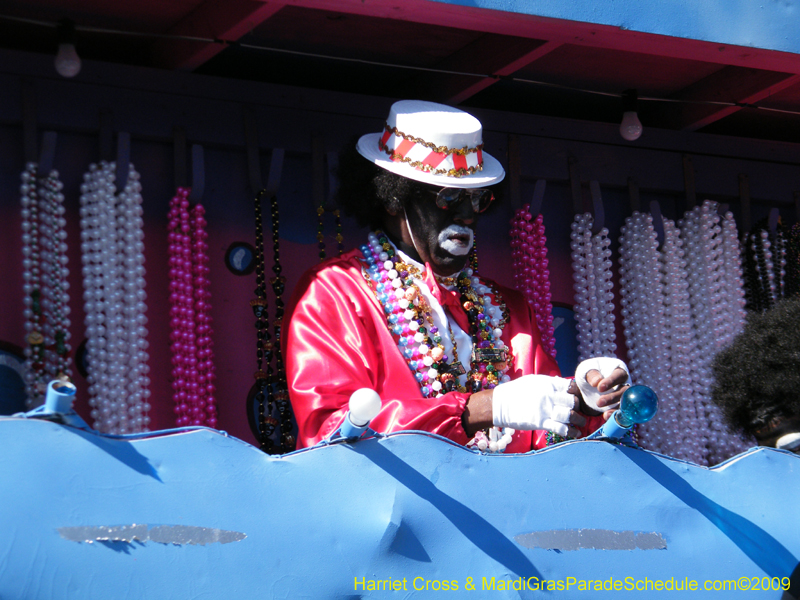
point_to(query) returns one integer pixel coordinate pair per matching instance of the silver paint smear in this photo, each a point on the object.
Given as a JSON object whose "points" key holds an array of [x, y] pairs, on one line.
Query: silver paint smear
{"points": [[591, 539], [162, 534]]}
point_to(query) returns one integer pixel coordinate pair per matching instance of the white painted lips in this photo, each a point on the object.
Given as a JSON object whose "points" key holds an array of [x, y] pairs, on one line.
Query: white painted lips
{"points": [[456, 239]]}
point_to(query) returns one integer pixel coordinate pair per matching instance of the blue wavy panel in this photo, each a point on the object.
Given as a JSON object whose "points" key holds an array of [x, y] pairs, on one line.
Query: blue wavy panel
{"points": [[197, 514]]}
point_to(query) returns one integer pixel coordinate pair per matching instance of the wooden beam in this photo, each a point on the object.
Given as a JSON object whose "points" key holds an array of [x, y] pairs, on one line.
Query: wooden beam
{"points": [[222, 20], [489, 54], [506, 62], [729, 84]]}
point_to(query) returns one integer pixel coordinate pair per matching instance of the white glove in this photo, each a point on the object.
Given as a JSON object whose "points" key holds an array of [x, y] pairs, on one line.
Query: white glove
{"points": [[605, 365], [533, 402]]}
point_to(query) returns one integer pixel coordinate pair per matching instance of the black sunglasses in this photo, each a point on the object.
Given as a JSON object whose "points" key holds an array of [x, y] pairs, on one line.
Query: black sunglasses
{"points": [[480, 198]]}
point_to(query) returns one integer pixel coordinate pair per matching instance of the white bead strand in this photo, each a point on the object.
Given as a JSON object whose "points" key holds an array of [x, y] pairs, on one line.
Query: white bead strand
{"points": [[677, 410], [113, 270], [642, 299], [594, 298], [712, 305], [133, 413]]}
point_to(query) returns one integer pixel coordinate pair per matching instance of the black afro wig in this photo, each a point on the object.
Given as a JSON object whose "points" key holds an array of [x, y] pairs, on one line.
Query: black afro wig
{"points": [[366, 192], [757, 377]]}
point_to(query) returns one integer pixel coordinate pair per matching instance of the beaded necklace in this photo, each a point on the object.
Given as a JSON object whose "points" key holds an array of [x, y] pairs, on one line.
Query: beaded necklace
{"points": [[531, 275], [114, 292], [271, 388], [45, 285], [594, 298], [793, 260], [410, 320], [264, 395], [765, 266], [278, 283], [190, 306]]}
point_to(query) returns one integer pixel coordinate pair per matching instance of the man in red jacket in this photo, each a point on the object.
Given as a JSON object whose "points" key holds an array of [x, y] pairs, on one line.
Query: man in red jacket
{"points": [[447, 351]]}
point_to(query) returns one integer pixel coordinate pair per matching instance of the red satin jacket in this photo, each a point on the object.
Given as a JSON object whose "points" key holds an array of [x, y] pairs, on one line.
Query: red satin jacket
{"points": [[337, 341]]}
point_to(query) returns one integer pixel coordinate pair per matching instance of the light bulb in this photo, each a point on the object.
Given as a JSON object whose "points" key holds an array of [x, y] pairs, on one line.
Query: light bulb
{"points": [[631, 127], [365, 404], [68, 63]]}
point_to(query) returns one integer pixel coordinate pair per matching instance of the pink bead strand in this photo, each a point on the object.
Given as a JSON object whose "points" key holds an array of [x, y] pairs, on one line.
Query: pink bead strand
{"points": [[206, 404], [190, 320], [180, 306], [531, 273]]}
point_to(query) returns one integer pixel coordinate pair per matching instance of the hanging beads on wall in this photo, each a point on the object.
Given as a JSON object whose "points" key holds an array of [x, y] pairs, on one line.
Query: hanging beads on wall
{"points": [[793, 260], [321, 231], [677, 430], [279, 384], [45, 283], [531, 273], [715, 304], [733, 279], [206, 374], [192, 355], [594, 298], [641, 291], [765, 266], [680, 305], [337, 215], [133, 343], [271, 390], [264, 398], [112, 247]]}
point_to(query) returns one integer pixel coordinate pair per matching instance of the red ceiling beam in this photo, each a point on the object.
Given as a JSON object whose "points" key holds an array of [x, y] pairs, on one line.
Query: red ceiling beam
{"points": [[558, 30], [490, 55], [216, 19], [729, 84], [502, 67]]}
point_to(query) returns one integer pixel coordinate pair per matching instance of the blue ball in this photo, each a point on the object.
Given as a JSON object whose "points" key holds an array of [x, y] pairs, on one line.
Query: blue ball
{"points": [[639, 405]]}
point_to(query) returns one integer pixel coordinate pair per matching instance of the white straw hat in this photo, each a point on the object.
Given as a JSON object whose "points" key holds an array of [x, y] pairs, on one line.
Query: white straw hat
{"points": [[432, 143]]}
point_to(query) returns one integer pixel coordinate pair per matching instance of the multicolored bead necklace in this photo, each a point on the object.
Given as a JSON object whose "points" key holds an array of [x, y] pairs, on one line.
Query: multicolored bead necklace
{"points": [[410, 320]]}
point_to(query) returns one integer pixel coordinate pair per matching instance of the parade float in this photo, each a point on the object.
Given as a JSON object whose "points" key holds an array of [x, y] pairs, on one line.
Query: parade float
{"points": [[193, 513]]}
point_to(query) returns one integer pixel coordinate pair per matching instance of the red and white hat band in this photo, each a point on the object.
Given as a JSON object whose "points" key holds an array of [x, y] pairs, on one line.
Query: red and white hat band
{"points": [[428, 157]]}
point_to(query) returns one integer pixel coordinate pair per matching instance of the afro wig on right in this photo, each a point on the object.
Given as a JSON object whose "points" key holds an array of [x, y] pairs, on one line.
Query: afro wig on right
{"points": [[757, 377]]}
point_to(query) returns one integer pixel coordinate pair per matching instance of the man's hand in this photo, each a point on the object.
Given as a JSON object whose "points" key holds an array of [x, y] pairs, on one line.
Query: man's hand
{"points": [[610, 389], [599, 393], [537, 402]]}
